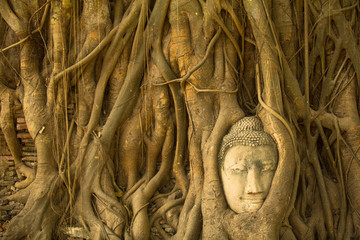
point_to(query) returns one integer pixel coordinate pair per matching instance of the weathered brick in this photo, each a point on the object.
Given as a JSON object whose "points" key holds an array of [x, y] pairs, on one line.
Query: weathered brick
{"points": [[9, 178], [10, 174], [4, 216], [14, 212], [7, 207], [6, 183]]}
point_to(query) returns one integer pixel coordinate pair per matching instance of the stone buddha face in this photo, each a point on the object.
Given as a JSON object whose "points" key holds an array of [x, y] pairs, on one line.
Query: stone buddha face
{"points": [[246, 175], [247, 163]]}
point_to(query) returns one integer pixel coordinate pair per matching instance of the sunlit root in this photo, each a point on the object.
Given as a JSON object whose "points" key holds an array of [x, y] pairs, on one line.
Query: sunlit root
{"points": [[96, 199]]}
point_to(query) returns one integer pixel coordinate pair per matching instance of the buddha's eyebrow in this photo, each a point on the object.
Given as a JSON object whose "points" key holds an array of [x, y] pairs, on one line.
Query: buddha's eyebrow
{"points": [[267, 162]]}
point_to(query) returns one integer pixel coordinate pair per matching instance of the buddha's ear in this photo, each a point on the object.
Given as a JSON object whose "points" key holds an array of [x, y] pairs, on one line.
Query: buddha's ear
{"points": [[281, 194]]}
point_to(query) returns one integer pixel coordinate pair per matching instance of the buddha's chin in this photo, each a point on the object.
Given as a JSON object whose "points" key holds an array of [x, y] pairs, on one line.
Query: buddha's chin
{"points": [[248, 206]]}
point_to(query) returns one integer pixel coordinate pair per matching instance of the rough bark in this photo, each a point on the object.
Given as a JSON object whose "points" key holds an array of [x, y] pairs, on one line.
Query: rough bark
{"points": [[156, 85]]}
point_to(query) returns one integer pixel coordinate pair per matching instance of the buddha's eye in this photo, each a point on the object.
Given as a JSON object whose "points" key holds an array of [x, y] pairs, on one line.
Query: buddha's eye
{"points": [[238, 169]]}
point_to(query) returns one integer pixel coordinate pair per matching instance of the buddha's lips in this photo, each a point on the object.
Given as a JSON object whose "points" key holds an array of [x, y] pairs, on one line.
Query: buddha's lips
{"points": [[252, 200]]}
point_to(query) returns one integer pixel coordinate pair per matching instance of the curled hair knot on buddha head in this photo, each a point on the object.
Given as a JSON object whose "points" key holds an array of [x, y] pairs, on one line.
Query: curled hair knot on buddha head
{"points": [[248, 131]]}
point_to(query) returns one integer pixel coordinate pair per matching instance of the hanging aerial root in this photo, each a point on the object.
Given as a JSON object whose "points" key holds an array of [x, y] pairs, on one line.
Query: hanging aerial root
{"points": [[119, 30], [290, 132], [212, 9], [157, 55]]}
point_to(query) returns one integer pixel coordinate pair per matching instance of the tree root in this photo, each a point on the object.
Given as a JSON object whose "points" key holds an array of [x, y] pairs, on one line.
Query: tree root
{"points": [[37, 219], [29, 173], [96, 205], [22, 195]]}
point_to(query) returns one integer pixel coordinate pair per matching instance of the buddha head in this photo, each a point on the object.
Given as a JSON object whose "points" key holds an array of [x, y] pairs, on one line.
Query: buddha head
{"points": [[247, 163]]}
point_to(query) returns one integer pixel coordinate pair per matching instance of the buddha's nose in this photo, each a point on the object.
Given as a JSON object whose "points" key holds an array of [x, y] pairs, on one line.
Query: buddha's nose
{"points": [[253, 185]]}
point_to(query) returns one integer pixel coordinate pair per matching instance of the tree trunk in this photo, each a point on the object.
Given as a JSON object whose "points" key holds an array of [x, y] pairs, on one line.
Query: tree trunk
{"points": [[156, 86]]}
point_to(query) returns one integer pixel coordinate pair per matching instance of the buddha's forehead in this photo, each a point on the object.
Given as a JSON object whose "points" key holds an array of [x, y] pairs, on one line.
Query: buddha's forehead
{"points": [[246, 154]]}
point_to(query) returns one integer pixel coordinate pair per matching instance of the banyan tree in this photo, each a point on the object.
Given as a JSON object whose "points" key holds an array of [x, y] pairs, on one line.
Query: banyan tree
{"points": [[158, 89]]}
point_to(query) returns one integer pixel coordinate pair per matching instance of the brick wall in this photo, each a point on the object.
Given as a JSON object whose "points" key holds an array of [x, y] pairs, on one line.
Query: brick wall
{"points": [[8, 175]]}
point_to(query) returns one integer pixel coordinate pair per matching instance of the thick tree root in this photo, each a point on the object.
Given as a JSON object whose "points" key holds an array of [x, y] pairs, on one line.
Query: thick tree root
{"points": [[37, 219]]}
